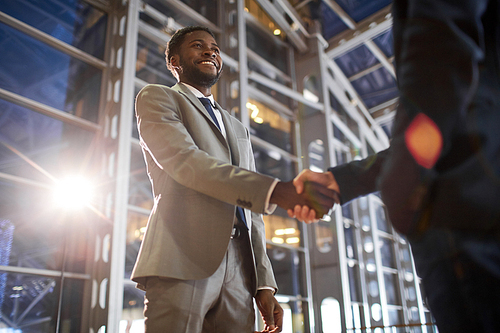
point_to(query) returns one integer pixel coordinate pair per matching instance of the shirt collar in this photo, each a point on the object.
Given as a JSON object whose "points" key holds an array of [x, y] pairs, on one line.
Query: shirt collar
{"points": [[198, 93]]}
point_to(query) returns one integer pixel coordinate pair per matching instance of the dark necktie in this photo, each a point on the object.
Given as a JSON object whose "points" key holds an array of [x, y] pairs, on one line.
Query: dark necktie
{"points": [[208, 106]]}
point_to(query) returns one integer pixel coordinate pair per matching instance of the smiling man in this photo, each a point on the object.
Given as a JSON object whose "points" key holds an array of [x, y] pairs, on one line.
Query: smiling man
{"points": [[203, 258]]}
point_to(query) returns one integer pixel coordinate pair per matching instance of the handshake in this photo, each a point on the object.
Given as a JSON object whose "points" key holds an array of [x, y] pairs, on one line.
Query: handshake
{"points": [[309, 196]]}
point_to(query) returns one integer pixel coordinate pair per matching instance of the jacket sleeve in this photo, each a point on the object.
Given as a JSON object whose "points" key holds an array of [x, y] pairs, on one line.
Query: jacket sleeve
{"points": [[359, 178]]}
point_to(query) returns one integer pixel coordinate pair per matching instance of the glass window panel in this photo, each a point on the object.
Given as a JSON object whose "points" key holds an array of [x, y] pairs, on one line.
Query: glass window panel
{"points": [[391, 288], [270, 162], [71, 21], [140, 191], [395, 319], [54, 146], [350, 243], [150, 65], [136, 227], [324, 237], [36, 232], [387, 252], [269, 125], [287, 266], [282, 230], [381, 219], [133, 307], [347, 211], [48, 76], [267, 48], [354, 283], [19, 291], [316, 152]]}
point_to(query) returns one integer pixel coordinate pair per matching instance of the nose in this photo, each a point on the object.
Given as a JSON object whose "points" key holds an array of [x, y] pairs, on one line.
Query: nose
{"points": [[210, 53]]}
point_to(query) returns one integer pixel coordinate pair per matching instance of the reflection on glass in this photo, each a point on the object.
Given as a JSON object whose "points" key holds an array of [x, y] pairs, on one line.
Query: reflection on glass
{"points": [[282, 230], [34, 233], [269, 125], [150, 65], [74, 22], [48, 76], [58, 148], [271, 163]]}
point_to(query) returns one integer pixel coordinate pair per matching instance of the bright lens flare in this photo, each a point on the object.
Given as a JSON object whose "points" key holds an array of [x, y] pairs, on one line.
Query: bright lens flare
{"points": [[73, 193]]}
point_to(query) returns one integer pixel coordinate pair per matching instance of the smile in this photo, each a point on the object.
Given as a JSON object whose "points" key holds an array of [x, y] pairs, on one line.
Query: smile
{"points": [[207, 62]]}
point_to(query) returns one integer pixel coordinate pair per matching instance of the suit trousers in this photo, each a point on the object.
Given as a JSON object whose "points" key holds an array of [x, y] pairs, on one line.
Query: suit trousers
{"points": [[220, 303]]}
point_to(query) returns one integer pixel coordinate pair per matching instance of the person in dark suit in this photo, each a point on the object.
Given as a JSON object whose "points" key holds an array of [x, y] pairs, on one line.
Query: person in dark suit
{"points": [[440, 178], [203, 258]]}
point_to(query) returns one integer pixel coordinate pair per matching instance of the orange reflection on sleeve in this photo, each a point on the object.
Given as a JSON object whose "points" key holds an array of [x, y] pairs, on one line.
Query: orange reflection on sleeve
{"points": [[424, 140]]}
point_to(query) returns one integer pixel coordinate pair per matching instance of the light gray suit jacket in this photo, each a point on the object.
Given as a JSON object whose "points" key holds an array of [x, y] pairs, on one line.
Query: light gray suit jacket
{"points": [[197, 178]]}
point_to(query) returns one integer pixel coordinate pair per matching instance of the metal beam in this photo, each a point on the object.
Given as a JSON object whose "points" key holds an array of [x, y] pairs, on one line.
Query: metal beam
{"points": [[189, 12], [341, 14], [367, 29], [280, 20], [48, 111], [381, 57], [283, 90]]}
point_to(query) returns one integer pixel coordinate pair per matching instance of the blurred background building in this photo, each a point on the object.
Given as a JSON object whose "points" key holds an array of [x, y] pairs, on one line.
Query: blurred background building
{"points": [[314, 82]]}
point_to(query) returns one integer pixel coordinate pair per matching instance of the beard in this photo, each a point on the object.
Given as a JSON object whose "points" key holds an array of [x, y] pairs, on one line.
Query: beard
{"points": [[194, 74]]}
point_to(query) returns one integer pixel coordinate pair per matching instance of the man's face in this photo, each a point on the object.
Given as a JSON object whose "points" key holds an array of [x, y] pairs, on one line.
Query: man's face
{"points": [[199, 61]]}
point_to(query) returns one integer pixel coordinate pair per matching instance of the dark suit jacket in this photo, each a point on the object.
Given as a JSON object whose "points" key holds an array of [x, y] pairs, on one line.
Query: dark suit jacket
{"points": [[198, 177], [448, 66]]}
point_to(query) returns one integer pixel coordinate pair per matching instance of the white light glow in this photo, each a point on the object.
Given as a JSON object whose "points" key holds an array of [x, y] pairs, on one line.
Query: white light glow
{"points": [[73, 193], [277, 240]]}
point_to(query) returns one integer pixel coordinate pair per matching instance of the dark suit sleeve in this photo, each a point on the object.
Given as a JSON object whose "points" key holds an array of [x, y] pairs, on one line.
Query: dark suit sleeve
{"points": [[358, 178]]}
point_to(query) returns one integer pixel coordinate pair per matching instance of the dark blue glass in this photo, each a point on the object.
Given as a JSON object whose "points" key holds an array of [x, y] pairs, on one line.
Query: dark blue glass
{"points": [[72, 21]]}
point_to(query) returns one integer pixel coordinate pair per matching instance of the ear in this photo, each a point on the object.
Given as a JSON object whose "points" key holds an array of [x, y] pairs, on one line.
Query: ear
{"points": [[174, 61]]}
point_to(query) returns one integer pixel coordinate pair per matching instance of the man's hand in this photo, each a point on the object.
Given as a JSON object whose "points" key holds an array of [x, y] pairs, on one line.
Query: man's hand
{"points": [[271, 311], [326, 179], [315, 196]]}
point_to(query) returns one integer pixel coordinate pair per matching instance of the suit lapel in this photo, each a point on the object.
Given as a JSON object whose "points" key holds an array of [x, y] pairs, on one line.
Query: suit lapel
{"points": [[196, 103], [232, 140]]}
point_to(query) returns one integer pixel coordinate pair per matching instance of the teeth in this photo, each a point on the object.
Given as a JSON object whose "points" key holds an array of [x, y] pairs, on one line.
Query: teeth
{"points": [[208, 62]]}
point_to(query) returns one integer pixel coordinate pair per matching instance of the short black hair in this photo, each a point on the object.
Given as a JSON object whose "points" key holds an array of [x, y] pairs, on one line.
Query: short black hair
{"points": [[175, 42]]}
